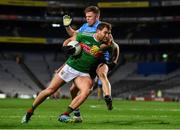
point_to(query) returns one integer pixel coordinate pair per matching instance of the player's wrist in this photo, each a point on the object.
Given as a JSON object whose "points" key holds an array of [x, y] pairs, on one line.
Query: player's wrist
{"points": [[66, 26]]}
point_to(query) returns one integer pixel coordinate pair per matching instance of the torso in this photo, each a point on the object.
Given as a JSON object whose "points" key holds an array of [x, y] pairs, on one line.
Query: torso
{"points": [[86, 60]]}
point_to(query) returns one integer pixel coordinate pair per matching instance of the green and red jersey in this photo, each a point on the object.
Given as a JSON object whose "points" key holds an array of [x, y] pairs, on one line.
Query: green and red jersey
{"points": [[87, 58]]}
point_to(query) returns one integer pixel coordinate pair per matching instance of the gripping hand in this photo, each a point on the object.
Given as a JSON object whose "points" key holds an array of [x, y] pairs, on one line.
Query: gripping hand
{"points": [[69, 50]]}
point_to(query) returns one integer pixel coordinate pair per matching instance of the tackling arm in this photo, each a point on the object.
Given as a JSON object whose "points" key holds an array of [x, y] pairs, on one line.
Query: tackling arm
{"points": [[114, 55], [115, 52]]}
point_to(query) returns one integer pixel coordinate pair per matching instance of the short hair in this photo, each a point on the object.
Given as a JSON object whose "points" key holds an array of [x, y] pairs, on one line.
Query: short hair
{"points": [[93, 9], [102, 25]]}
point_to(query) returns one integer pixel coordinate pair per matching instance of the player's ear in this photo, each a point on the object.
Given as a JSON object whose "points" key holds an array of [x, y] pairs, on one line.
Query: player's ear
{"points": [[97, 17], [97, 31]]}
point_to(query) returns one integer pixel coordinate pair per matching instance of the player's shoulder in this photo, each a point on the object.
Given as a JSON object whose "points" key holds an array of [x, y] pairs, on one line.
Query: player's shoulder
{"points": [[114, 44], [86, 34], [98, 22], [84, 25]]}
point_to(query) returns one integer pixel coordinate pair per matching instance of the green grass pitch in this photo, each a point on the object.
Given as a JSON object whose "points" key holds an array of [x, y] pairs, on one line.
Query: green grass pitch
{"points": [[125, 115]]}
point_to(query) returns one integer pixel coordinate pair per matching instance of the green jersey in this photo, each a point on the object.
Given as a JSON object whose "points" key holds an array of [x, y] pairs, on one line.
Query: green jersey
{"points": [[88, 58]]}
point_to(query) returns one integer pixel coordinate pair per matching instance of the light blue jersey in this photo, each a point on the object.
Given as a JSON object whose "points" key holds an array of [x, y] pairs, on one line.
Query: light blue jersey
{"points": [[86, 28]]}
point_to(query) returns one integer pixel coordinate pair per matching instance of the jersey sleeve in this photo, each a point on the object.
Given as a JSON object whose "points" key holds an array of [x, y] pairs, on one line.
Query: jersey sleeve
{"points": [[83, 35], [81, 29]]}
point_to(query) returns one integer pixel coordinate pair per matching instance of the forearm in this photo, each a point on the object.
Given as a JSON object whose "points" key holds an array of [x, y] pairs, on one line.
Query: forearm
{"points": [[66, 42], [69, 39], [116, 52], [70, 31]]}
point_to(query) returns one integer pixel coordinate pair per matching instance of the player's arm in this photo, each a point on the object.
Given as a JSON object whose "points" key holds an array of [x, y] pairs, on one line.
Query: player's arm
{"points": [[73, 38], [69, 50], [67, 22], [70, 30], [115, 52], [108, 44], [114, 55], [115, 49]]}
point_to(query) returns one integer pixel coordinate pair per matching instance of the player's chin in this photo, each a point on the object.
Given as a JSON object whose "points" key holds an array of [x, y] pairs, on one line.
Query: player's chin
{"points": [[90, 23]]}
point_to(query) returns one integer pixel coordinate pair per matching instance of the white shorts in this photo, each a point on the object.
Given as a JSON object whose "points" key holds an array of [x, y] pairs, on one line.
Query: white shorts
{"points": [[67, 73]]}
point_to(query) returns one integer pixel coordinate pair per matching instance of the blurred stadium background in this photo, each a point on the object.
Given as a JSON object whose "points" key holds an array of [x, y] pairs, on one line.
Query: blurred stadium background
{"points": [[148, 33]]}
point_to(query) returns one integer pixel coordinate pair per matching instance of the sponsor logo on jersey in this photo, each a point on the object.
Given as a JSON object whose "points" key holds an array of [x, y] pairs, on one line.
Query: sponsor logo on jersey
{"points": [[94, 50]]}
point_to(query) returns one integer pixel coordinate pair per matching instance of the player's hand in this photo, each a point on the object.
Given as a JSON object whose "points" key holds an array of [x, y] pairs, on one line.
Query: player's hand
{"points": [[69, 50], [67, 20], [110, 40], [94, 49]]}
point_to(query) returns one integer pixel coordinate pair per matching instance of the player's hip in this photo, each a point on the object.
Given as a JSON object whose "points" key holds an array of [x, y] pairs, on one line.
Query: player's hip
{"points": [[68, 73]]}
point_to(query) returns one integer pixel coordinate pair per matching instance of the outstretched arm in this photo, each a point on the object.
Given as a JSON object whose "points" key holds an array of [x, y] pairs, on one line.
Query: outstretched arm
{"points": [[67, 22], [70, 30]]}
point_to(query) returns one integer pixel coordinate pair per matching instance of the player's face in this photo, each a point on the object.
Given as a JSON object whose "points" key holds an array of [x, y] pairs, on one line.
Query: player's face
{"points": [[91, 18], [104, 35]]}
